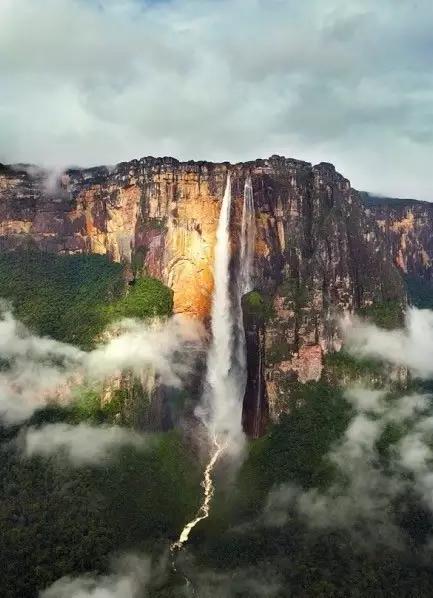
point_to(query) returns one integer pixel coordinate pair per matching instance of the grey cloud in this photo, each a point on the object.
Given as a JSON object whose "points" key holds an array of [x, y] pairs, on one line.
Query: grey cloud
{"points": [[257, 582], [135, 576], [91, 82]]}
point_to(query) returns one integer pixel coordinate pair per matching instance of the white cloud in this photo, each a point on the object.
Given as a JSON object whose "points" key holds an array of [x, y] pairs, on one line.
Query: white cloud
{"points": [[107, 80], [361, 497], [411, 347], [82, 444], [128, 580], [41, 369]]}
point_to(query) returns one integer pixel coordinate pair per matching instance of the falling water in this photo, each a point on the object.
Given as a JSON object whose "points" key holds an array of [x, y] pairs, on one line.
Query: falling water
{"points": [[246, 260], [225, 382], [223, 407], [221, 350], [245, 285], [248, 235]]}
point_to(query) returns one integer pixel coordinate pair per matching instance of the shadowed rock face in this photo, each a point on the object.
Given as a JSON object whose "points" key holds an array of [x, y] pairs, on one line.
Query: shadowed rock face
{"points": [[407, 227], [318, 253], [255, 414]]}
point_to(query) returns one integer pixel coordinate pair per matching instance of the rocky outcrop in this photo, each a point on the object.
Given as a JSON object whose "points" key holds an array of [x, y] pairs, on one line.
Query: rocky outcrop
{"points": [[317, 254], [407, 226]]}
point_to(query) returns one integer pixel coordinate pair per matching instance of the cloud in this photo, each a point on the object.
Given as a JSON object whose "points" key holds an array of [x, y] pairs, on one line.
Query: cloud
{"points": [[82, 444], [130, 577], [411, 347], [366, 487], [135, 576], [36, 370], [168, 347], [110, 80]]}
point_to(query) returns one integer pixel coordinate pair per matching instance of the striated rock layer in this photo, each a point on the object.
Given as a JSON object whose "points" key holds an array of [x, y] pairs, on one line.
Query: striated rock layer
{"points": [[318, 253], [407, 227]]}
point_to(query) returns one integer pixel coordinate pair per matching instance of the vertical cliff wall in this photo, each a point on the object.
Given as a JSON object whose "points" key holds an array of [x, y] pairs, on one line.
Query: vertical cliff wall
{"points": [[317, 252], [407, 227]]}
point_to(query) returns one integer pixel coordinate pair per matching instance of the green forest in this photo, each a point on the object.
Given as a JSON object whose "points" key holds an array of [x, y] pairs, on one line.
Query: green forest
{"points": [[58, 519]]}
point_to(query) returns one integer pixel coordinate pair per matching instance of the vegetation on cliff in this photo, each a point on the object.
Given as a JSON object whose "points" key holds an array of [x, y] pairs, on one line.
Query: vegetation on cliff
{"points": [[420, 292], [386, 314], [72, 298], [257, 306], [141, 500]]}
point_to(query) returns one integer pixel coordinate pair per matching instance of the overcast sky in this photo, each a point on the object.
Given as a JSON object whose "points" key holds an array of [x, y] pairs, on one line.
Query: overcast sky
{"points": [[344, 81]]}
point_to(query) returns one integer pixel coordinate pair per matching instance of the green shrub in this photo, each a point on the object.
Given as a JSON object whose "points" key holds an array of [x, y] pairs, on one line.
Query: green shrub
{"points": [[295, 291], [278, 351], [57, 519], [146, 297], [420, 292], [257, 306], [61, 296]]}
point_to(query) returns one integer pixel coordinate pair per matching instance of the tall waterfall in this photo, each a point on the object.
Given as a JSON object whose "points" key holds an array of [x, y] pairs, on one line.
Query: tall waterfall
{"points": [[224, 400], [226, 362], [248, 237], [222, 410], [244, 282]]}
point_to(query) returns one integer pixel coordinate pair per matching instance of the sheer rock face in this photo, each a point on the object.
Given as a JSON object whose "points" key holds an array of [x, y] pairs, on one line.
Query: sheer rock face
{"points": [[407, 226], [318, 253]]}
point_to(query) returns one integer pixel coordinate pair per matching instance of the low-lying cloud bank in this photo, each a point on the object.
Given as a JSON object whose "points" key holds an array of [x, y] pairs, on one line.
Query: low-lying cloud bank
{"points": [[386, 452], [128, 580], [82, 444], [366, 486], [135, 576], [411, 347], [35, 370]]}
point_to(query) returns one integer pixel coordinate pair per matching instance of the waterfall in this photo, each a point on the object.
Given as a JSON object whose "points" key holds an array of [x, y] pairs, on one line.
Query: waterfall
{"points": [[226, 362], [245, 285], [224, 393], [221, 350], [248, 237], [222, 410]]}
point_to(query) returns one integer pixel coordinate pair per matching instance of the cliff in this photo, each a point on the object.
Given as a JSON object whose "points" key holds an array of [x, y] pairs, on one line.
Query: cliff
{"points": [[318, 252], [407, 227]]}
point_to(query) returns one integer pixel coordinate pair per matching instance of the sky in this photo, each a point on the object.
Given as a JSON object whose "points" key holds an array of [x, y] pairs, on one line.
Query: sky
{"points": [[87, 82]]}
